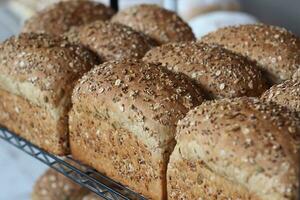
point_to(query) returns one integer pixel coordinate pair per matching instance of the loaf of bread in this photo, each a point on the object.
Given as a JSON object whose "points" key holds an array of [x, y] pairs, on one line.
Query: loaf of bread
{"points": [[218, 71], [285, 94], [123, 121], [275, 49], [111, 41], [60, 17], [55, 186], [37, 76], [160, 24], [236, 149]]}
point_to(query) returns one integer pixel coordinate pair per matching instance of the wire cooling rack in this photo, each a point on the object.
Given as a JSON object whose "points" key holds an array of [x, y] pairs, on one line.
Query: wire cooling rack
{"points": [[81, 174]]}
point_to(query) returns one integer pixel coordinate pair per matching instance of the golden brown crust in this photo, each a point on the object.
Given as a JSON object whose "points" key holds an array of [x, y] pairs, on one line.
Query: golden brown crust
{"points": [[55, 186], [275, 49], [285, 94], [60, 17], [112, 41], [131, 108], [249, 142], [160, 24], [49, 63], [34, 123], [218, 71], [38, 73]]}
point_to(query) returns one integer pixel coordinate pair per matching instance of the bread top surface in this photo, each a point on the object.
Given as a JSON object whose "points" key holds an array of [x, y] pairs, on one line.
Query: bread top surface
{"points": [[52, 185], [60, 17], [160, 24], [275, 49], [114, 41], [250, 142], [218, 71], [152, 97], [285, 94], [41, 64]]}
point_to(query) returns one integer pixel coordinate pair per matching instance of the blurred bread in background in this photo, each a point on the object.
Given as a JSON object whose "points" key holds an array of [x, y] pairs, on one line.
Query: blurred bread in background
{"points": [[188, 9], [212, 21]]}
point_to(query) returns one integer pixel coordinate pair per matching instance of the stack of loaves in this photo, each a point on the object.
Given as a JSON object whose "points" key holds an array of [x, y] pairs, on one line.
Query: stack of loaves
{"points": [[134, 96]]}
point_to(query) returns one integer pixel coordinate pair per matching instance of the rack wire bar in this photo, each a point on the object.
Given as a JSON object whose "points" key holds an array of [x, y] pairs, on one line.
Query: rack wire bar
{"points": [[79, 173]]}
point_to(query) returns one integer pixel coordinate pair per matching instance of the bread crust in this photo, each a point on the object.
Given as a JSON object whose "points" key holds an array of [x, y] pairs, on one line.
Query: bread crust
{"points": [[285, 94], [219, 72], [39, 72], [245, 141], [60, 17], [131, 109], [160, 24], [53, 185], [112, 41], [275, 49]]}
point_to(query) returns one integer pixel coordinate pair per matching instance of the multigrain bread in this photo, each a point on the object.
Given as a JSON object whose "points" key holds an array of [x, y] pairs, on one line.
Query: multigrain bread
{"points": [[37, 76], [55, 186], [123, 121], [160, 24], [285, 94], [239, 148], [275, 49], [219, 72], [111, 41], [60, 17]]}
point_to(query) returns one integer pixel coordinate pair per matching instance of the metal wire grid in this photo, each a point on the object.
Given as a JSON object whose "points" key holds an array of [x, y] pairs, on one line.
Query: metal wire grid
{"points": [[83, 175]]}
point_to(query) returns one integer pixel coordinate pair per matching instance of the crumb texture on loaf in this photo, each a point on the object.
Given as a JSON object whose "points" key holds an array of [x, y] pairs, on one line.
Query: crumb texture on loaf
{"points": [[218, 71], [285, 94], [240, 148], [132, 109], [275, 49], [112, 41], [55, 186], [160, 24], [60, 17]]}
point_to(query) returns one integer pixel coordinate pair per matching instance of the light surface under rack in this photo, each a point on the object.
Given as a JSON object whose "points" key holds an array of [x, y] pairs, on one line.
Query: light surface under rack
{"points": [[83, 175]]}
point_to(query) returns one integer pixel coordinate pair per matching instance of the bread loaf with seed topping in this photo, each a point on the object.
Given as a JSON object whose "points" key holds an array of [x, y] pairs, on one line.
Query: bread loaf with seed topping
{"points": [[275, 49], [60, 17], [285, 94], [158, 23], [111, 41], [240, 148], [123, 121], [38, 73], [54, 186], [219, 72]]}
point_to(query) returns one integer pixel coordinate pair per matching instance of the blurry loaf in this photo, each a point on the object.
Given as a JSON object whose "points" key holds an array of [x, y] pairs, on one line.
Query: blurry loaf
{"points": [[285, 94], [158, 23], [60, 17], [123, 122], [236, 149], [111, 41], [55, 186], [218, 71], [275, 49], [37, 76]]}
